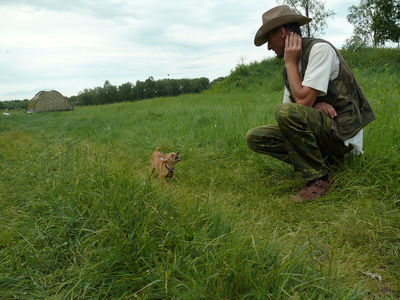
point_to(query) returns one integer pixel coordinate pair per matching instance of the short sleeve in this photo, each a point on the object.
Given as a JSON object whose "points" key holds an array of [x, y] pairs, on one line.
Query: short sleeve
{"points": [[323, 65]]}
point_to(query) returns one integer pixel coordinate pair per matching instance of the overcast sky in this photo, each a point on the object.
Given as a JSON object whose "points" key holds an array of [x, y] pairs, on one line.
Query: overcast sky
{"points": [[76, 44]]}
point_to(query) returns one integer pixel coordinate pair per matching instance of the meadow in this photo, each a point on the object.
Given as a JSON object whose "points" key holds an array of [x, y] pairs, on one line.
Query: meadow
{"points": [[81, 217]]}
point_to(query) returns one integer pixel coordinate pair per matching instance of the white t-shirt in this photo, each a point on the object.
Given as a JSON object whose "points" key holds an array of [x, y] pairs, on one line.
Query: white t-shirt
{"points": [[323, 66]]}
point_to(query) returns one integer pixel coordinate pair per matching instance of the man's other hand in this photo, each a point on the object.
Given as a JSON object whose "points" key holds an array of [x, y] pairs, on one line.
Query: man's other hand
{"points": [[326, 108]]}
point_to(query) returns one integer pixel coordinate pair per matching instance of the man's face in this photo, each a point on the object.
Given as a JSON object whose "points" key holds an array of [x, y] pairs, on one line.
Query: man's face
{"points": [[276, 41]]}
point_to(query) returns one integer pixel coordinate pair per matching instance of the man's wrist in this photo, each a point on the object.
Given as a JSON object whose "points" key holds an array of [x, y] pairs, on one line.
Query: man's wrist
{"points": [[290, 63]]}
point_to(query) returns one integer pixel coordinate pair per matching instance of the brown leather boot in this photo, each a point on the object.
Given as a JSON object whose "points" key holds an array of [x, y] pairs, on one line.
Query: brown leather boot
{"points": [[314, 189]]}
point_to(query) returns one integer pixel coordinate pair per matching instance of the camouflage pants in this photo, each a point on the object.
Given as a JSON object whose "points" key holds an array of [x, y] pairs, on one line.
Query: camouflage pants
{"points": [[303, 137]]}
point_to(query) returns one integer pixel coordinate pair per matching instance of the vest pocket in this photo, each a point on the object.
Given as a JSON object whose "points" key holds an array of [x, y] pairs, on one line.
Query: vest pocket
{"points": [[348, 123]]}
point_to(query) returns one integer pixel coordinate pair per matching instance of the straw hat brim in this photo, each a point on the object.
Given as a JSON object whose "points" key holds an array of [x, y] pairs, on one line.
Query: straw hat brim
{"points": [[261, 37]]}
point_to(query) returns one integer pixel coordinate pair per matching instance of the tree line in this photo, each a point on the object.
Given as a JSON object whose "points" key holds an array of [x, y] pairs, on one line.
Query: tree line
{"points": [[14, 104], [147, 89]]}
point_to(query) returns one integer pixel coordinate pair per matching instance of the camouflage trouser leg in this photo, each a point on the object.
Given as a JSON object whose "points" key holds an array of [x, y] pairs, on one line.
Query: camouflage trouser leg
{"points": [[303, 137]]}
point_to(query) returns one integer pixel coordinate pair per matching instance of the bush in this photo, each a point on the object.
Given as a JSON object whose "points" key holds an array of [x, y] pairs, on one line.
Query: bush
{"points": [[14, 104]]}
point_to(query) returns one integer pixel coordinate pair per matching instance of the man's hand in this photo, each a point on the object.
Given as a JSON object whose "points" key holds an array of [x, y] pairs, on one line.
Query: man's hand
{"points": [[326, 108], [292, 48], [303, 95]]}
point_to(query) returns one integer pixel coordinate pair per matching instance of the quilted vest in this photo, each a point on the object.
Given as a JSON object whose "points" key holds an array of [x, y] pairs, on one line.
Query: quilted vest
{"points": [[344, 94]]}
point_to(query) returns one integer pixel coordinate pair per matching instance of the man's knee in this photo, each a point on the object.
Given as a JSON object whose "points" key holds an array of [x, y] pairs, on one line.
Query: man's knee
{"points": [[250, 138], [285, 111]]}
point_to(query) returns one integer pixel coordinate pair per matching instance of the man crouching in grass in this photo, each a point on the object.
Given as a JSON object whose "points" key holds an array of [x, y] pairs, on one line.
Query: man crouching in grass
{"points": [[323, 110]]}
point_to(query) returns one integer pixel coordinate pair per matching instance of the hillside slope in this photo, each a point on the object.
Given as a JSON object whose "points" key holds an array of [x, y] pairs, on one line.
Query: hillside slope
{"points": [[266, 75]]}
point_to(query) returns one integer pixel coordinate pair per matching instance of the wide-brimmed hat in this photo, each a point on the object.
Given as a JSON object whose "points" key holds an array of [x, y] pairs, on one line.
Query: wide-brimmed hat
{"points": [[276, 17]]}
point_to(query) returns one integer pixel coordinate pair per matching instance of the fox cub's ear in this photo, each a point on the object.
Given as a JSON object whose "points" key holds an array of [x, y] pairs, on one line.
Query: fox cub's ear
{"points": [[163, 158]]}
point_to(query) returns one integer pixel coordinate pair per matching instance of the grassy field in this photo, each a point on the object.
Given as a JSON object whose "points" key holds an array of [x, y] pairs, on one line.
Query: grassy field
{"points": [[82, 218]]}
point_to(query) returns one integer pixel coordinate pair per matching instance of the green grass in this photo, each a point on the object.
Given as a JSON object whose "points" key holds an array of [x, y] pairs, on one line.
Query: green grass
{"points": [[81, 217]]}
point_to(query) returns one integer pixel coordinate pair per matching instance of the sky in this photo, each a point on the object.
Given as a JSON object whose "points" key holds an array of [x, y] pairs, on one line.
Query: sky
{"points": [[74, 45]]}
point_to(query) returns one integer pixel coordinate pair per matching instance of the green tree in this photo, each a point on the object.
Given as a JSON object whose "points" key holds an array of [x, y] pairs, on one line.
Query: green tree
{"points": [[150, 88], [375, 22], [87, 97], [124, 91], [139, 90], [361, 18], [109, 93], [162, 88], [312, 9], [386, 21]]}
